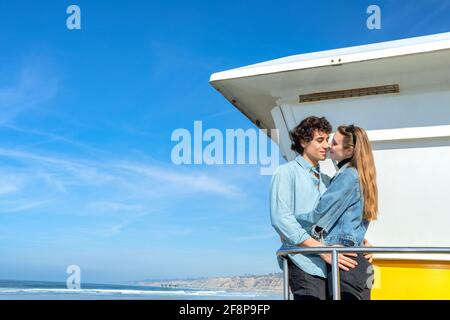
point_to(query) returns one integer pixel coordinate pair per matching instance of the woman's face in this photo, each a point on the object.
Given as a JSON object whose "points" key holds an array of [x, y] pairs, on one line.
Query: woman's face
{"points": [[337, 151]]}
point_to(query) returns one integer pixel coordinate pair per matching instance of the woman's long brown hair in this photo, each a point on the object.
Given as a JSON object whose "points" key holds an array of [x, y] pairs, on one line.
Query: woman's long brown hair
{"points": [[364, 163]]}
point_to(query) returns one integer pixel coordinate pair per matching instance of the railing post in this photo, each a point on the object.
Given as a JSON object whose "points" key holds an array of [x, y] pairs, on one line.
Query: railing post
{"points": [[285, 279], [335, 281]]}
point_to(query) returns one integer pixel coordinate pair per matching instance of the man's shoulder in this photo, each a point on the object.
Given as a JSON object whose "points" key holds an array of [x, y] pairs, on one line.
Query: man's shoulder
{"points": [[286, 172], [287, 167]]}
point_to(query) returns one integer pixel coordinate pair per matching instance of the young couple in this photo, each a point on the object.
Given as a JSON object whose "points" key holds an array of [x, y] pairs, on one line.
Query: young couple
{"points": [[308, 209]]}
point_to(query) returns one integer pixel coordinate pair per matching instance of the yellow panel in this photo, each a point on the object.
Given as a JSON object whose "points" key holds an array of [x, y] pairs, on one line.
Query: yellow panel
{"points": [[411, 280]]}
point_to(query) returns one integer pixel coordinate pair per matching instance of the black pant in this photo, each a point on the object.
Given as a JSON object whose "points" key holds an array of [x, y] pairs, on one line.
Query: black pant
{"points": [[355, 283], [305, 286]]}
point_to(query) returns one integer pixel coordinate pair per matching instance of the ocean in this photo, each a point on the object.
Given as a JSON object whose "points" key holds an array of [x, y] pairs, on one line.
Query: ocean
{"points": [[43, 290]]}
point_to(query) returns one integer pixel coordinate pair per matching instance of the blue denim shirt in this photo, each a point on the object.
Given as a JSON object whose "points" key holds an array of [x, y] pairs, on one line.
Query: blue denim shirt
{"points": [[339, 213], [295, 190]]}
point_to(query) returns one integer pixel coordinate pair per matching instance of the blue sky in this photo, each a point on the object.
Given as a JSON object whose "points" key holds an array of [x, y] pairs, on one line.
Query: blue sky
{"points": [[87, 115]]}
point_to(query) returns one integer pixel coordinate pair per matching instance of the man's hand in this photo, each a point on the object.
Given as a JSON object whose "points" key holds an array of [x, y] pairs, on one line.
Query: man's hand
{"points": [[344, 261], [368, 256]]}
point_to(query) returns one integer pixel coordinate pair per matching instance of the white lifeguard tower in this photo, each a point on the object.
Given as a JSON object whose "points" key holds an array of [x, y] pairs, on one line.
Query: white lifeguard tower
{"points": [[399, 92]]}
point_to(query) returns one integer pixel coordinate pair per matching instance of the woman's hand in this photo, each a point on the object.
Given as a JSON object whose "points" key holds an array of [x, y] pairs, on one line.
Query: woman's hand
{"points": [[368, 256], [344, 261]]}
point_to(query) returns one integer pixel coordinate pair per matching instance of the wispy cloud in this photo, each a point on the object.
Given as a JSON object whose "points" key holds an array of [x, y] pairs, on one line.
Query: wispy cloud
{"points": [[103, 172], [105, 188], [255, 237], [20, 205], [109, 229], [183, 181], [33, 88], [220, 114], [9, 183], [428, 13], [69, 171], [50, 137], [135, 130], [118, 209], [111, 206]]}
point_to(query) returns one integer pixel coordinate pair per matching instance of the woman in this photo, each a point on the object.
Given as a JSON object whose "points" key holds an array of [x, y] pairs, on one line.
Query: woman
{"points": [[344, 211]]}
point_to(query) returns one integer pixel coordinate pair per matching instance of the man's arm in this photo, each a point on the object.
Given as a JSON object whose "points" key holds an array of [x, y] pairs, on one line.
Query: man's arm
{"points": [[281, 202]]}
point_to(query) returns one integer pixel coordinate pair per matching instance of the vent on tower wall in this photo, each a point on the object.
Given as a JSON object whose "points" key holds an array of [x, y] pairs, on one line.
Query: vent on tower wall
{"points": [[319, 96]]}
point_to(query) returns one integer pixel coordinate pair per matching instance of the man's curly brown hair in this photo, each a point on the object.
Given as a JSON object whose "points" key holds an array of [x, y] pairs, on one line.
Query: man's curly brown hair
{"points": [[305, 131]]}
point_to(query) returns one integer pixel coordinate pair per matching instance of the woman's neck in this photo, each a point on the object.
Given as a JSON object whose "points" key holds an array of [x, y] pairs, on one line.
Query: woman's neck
{"points": [[343, 162]]}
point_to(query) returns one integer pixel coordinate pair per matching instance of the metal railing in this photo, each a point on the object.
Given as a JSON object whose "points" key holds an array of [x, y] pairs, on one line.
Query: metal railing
{"points": [[335, 251]]}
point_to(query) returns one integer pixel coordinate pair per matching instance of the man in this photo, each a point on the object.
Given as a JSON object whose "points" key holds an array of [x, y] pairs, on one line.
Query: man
{"points": [[296, 187]]}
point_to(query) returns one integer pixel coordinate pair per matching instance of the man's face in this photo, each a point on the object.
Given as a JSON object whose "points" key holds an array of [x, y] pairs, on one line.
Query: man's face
{"points": [[316, 149]]}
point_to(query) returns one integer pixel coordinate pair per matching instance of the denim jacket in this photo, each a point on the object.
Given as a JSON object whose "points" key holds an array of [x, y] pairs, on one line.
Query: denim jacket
{"points": [[338, 217], [295, 189]]}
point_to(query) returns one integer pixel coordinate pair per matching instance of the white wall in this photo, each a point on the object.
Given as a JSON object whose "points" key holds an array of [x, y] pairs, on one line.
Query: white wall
{"points": [[413, 174]]}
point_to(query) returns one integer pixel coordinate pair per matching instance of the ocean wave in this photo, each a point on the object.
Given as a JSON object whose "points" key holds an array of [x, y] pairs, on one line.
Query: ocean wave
{"points": [[125, 292]]}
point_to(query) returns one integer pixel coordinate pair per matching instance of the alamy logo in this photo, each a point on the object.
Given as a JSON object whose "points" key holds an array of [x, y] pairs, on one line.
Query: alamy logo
{"points": [[236, 147], [74, 279], [374, 20], [73, 22], [373, 282]]}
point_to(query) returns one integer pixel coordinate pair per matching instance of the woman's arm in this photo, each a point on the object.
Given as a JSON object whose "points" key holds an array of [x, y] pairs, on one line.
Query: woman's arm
{"points": [[340, 195], [368, 256]]}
